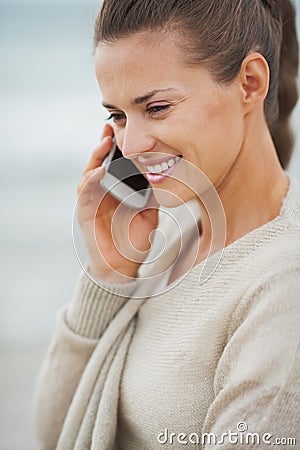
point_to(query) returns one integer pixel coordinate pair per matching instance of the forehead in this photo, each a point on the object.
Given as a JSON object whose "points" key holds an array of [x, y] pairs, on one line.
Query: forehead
{"points": [[141, 60]]}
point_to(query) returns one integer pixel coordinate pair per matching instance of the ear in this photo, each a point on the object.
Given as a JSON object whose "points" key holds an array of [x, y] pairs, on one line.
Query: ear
{"points": [[254, 78]]}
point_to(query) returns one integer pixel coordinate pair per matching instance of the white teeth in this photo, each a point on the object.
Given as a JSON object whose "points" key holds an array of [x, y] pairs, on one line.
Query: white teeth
{"points": [[159, 168]]}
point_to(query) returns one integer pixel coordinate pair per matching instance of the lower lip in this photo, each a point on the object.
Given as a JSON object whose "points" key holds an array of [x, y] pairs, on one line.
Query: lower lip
{"points": [[155, 178]]}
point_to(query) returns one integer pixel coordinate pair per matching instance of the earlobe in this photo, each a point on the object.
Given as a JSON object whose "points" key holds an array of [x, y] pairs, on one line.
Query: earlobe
{"points": [[255, 76]]}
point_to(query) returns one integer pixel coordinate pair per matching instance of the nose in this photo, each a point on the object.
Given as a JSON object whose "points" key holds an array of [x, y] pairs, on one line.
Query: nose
{"points": [[136, 140]]}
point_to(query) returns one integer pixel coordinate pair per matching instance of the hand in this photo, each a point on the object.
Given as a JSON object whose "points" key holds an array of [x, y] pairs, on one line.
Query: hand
{"points": [[117, 237]]}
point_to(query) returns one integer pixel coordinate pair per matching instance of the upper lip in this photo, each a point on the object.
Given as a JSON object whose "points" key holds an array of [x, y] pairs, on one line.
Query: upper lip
{"points": [[152, 162]]}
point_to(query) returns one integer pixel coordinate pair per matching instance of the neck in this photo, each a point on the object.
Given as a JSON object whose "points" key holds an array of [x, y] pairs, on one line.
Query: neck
{"points": [[251, 191]]}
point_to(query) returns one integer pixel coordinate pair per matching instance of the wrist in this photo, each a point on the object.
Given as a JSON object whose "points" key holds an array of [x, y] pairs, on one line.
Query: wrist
{"points": [[120, 276]]}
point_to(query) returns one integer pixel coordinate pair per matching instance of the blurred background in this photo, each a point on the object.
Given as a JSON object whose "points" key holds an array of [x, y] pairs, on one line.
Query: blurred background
{"points": [[50, 120]]}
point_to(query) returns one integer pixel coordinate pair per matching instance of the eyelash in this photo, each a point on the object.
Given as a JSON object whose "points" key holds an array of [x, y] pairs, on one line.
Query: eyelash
{"points": [[153, 111], [116, 117], [157, 109]]}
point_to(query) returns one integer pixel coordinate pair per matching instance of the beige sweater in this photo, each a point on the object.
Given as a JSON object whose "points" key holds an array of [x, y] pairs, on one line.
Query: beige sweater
{"points": [[222, 356]]}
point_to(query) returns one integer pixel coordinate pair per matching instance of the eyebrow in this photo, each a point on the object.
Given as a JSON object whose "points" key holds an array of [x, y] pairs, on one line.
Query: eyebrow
{"points": [[142, 99]]}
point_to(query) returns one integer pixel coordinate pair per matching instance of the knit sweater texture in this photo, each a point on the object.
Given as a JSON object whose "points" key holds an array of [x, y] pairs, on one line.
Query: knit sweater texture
{"points": [[188, 367]]}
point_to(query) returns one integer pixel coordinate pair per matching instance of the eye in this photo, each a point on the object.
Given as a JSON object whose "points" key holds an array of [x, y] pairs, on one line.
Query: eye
{"points": [[116, 117], [157, 110]]}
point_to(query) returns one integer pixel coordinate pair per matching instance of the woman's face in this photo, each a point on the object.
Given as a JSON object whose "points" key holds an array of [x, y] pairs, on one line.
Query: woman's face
{"points": [[172, 119]]}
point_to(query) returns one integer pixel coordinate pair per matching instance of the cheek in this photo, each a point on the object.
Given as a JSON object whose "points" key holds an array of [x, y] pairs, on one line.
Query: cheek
{"points": [[222, 109], [218, 133], [219, 125]]}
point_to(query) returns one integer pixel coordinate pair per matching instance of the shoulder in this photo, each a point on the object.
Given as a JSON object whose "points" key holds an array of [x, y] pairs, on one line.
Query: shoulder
{"points": [[273, 303], [275, 247], [276, 261], [281, 249]]}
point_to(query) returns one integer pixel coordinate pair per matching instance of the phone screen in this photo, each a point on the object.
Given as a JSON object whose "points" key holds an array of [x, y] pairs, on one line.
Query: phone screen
{"points": [[125, 170]]}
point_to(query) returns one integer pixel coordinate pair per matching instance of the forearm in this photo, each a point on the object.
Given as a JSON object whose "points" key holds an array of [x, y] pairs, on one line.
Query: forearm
{"points": [[93, 307], [79, 326]]}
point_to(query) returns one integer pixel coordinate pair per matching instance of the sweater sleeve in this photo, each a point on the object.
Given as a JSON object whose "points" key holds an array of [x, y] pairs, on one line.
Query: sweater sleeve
{"points": [[78, 328], [257, 383]]}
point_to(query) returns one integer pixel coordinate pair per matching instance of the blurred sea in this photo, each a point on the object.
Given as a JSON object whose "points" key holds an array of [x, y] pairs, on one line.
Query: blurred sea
{"points": [[50, 121]]}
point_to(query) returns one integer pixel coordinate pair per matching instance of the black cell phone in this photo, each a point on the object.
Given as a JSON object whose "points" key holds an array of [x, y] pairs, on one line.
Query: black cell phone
{"points": [[124, 181]]}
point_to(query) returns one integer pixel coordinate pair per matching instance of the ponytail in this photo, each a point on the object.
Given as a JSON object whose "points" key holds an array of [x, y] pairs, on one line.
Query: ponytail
{"points": [[282, 134]]}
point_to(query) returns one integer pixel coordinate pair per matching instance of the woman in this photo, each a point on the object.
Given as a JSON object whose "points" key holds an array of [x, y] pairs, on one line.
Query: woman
{"points": [[214, 363]]}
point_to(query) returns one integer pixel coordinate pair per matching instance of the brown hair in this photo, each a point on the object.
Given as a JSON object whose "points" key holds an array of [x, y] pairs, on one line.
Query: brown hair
{"points": [[220, 33]]}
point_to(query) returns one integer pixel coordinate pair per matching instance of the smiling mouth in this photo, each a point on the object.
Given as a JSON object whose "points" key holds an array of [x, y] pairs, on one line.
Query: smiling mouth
{"points": [[158, 170], [162, 167]]}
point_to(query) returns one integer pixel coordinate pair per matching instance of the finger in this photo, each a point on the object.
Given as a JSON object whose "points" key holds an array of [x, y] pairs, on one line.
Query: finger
{"points": [[90, 179], [99, 154], [107, 131], [101, 150]]}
